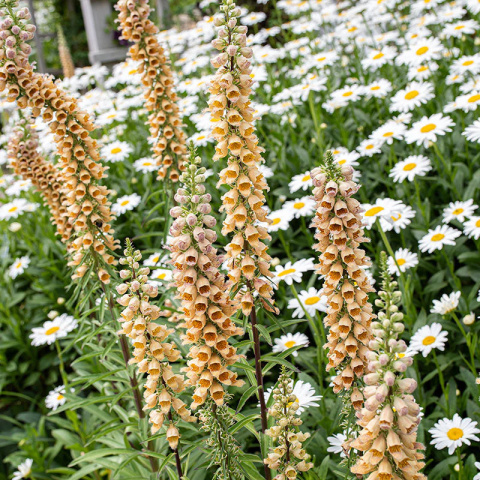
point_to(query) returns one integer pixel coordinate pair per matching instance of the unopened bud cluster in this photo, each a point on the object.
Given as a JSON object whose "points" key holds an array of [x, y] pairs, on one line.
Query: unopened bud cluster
{"points": [[87, 229], [390, 416], [28, 163], [225, 451], [234, 132], [68, 67], [161, 101], [152, 354], [202, 289], [339, 234], [288, 457]]}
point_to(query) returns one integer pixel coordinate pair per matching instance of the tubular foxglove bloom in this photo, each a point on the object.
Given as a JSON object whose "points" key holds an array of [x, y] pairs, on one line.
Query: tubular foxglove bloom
{"points": [[152, 354], [30, 164], [161, 101], [390, 417], [230, 109], [288, 457], [202, 289], [339, 234], [87, 229]]}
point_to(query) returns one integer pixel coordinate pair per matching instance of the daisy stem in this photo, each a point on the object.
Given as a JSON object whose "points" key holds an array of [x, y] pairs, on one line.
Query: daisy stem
{"points": [[316, 333], [61, 364], [456, 280], [442, 382], [419, 202], [411, 311], [460, 465], [315, 121], [469, 344], [285, 245]]}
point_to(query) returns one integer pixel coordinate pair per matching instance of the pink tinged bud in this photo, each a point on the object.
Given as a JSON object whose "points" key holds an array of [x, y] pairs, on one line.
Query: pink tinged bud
{"points": [[219, 20], [195, 198], [232, 50], [242, 29], [10, 41], [11, 53], [372, 404], [122, 288], [176, 212], [381, 393], [389, 378], [218, 43], [232, 22], [125, 274], [243, 63], [135, 285], [371, 356], [383, 359], [179, 223], [399, 366], [392, 343], [183, 242], [407, 385], [209, 221], [204, 208], [373, 344], [408, 361], [180, 198], [371, 378], [191, 219], [199, 234], [373, 366], [247, 52]]}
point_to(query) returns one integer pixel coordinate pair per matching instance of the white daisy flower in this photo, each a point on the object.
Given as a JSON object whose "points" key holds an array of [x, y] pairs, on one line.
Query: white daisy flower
{"points": [[312, 301], [280, 220], [453, 433], [404, 259], [116, 151], [145, 165], [458, 29], [111, 116], [290, 340], [422, 72], [378, 89], [253, 18], [13, 209], [388, 132], [56, 398], [458, 211], [437, 238], [267, 172], [301, 207], [383, 209], [426, 339], [401, 216], [376, 58], [472, 132], [369, 147], [291, 272], [426, 130], [410, 167], [446, 304], [18, 187], [161, 274], [477, 464], [23, 470], [201, 139], [414, 95], [350, 93], [53, 330], [469, 102], [471, 227], [125, 203], [467, 63], [421, 51], [18, 266], [302, 181], [154, 260], [305, 393], [336, 444]]}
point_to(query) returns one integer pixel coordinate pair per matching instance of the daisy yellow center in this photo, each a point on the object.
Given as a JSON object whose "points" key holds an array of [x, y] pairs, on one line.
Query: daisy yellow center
{"points": [[455, 433], [459, 27], [371, 212], [428, 128], [290, 343], [13, 209], [477, 223], [378, 56], [132, 72], [306, 178], [52, 330], [290, 403], [422, 69], [18, 265], [347, 94], [113, 115], [116, 150], [474, 98], [298, 205], [321, 59], [161, 276], [276, 221], [341, 162], [60, 397], [437, 237], [409, 166], [401, 261], [395, 219], [369, 147], [125, 202], [288, 271], [467, 63], [351, 29], [376, 87], [147, 164], [422, 50], [458, 211], [312, 300], [428, 340], [388, 134], [411, 95]]}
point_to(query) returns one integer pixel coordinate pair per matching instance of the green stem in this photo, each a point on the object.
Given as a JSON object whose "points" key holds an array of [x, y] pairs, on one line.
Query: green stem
{"points": [[442, 382]]}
